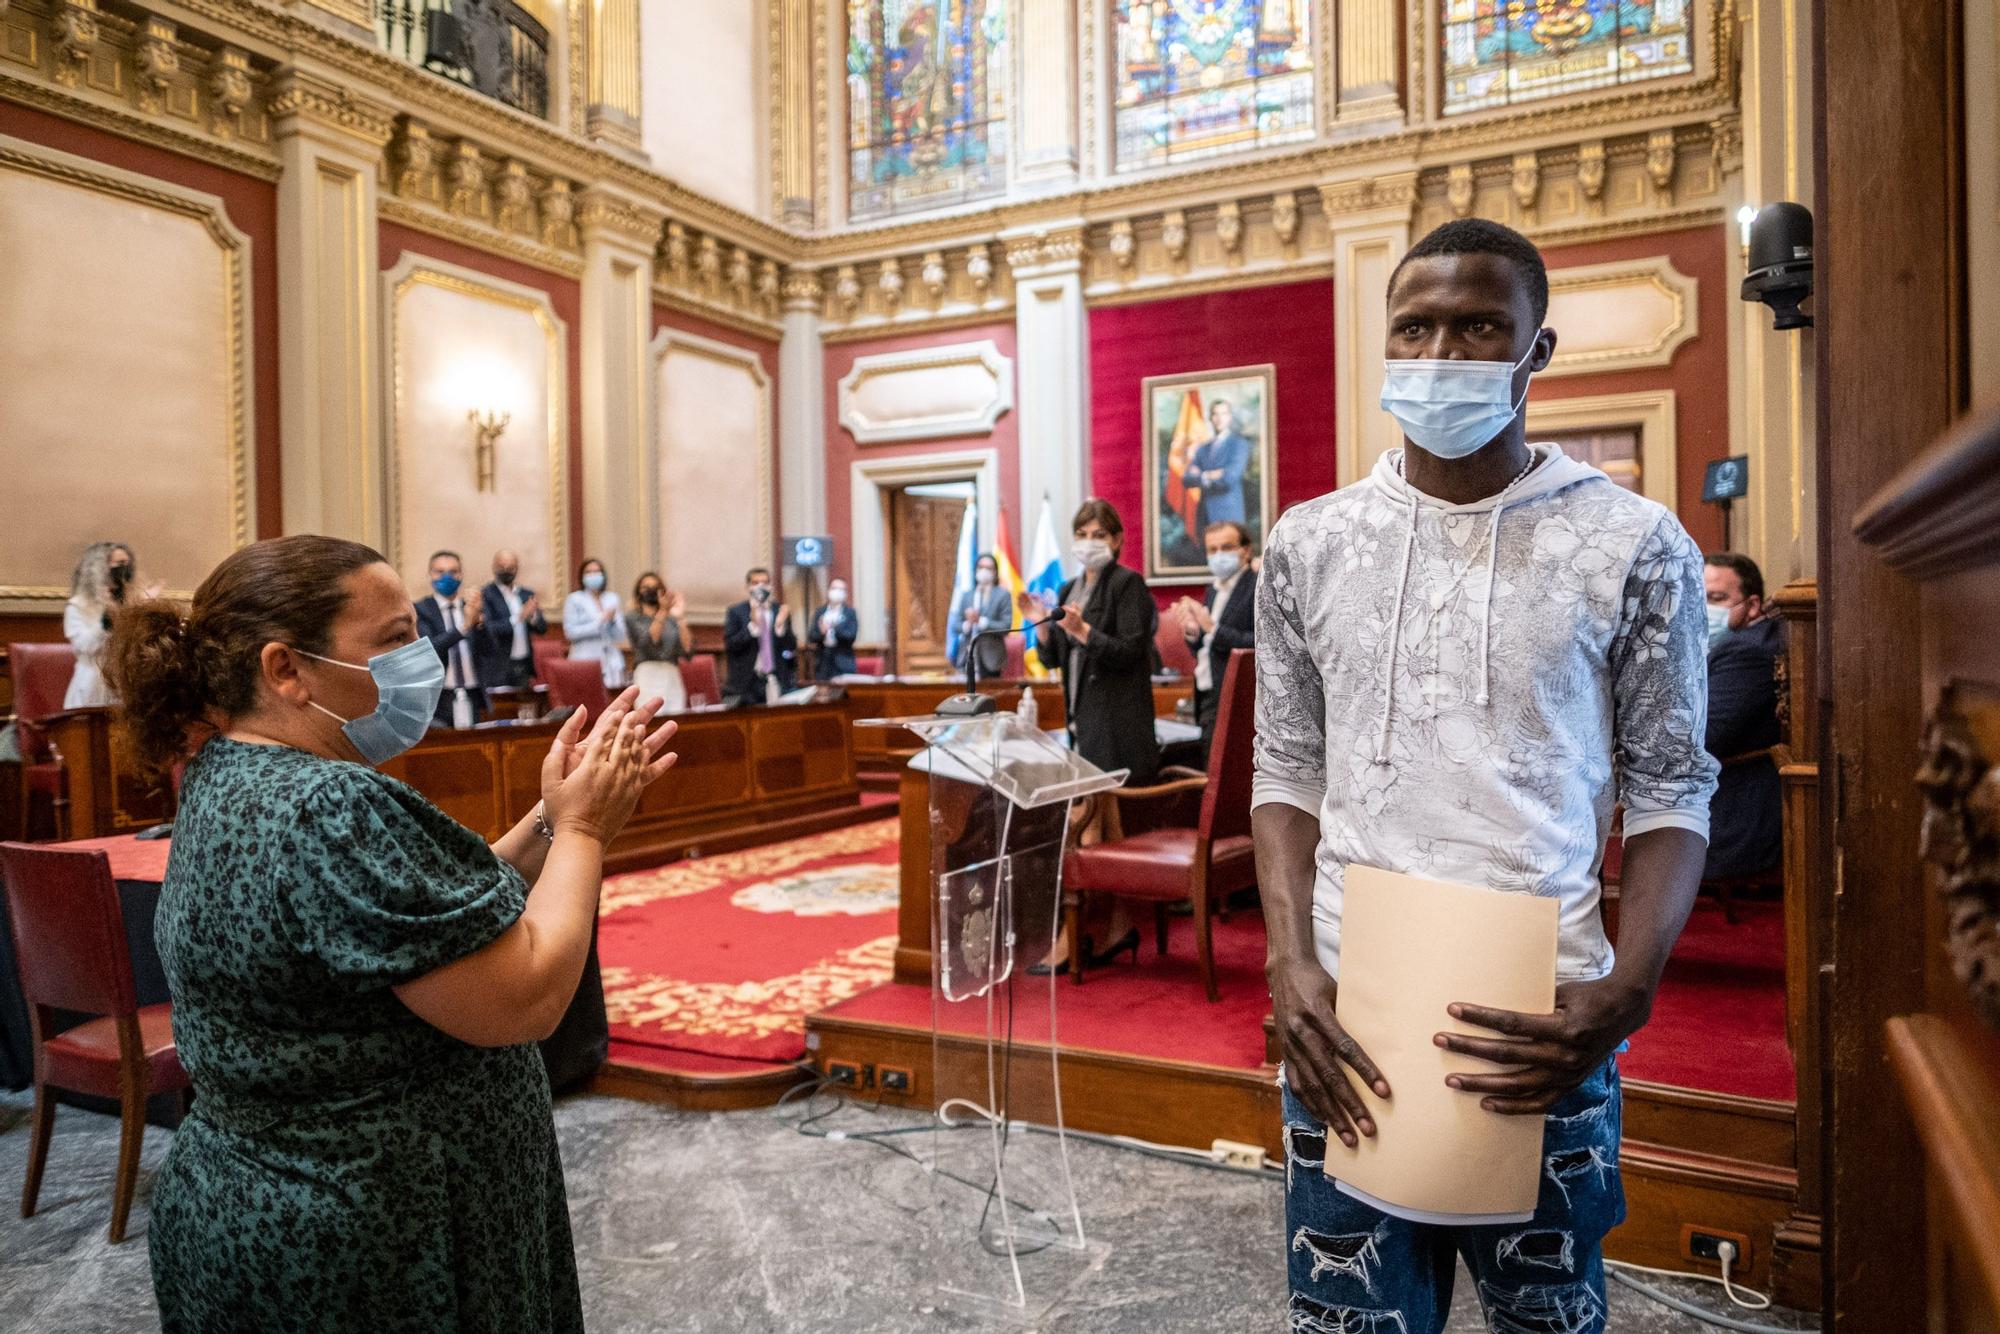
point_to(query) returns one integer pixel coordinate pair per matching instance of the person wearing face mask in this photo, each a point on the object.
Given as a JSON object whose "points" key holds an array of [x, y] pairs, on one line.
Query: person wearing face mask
{"points": [[513, 619], [1465, 660], [657, 629], [759, 643], [594, 623], [982, 607], [1221, 622], [100, 586], [358, 980], [834, 630], [452, 624], [1745, 641]]}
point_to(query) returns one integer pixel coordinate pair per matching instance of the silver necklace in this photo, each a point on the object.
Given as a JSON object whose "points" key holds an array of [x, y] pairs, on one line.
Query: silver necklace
{"points": [[1532, 461]]}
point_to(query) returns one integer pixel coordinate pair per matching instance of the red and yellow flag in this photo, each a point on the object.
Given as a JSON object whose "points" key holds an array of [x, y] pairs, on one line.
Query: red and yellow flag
{"points": [[1191, 432]]}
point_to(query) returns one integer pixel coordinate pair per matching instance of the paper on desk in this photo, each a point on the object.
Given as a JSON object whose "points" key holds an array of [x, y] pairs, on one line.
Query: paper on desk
{"points": [[1408, 948]]}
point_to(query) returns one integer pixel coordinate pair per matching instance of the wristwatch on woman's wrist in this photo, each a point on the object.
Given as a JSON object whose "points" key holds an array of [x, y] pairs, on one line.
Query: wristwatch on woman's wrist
{"points": [[542, 825]]}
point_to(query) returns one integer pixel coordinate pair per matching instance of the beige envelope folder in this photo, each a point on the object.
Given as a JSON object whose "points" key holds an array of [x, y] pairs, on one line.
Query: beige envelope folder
{"points": [[1408, 948]]}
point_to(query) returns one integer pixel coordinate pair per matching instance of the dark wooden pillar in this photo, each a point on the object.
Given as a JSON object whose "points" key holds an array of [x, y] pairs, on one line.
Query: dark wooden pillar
{"points": [[1890, 343]]}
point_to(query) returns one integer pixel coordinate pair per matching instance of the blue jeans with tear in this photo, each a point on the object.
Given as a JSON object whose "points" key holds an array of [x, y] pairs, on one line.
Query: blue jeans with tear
{"points": [[1356, 1270]]}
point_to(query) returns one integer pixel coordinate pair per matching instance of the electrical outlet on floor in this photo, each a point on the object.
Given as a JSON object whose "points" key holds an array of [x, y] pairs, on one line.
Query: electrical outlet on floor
{"points": [[1234, 1153], [1705, 1243]]}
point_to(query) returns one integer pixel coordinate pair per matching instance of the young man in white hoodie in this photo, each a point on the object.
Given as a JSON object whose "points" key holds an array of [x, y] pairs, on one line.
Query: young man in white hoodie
{"points": [[1464, 661]]}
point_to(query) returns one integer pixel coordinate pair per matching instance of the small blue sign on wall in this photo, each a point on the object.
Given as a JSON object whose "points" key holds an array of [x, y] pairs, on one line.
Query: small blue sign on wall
{"points": [[1726, 479]]}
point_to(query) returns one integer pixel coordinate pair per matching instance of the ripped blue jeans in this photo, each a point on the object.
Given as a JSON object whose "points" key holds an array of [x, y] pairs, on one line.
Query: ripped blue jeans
{"points": [[1356, 1270]]}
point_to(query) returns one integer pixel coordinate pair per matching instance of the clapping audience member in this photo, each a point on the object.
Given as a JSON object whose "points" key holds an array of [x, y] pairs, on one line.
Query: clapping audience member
{"points": [[657, 627], [1222, 622], [1746, 815], [513, 617], [99, 587], [982, 607], [452, 624], [594, 625], [758, 639], [834, 629]]}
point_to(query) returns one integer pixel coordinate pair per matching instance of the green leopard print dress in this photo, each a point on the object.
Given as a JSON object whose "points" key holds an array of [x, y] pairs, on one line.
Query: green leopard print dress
{"points": [[346, 1165]]}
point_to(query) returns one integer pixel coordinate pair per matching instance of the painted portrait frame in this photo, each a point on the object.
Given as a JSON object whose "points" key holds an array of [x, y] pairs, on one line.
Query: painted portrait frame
{"points": [[1173, 555]]}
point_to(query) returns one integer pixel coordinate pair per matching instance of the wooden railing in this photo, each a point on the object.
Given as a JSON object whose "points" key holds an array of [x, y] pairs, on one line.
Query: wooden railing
{"points": [[493, 46]]}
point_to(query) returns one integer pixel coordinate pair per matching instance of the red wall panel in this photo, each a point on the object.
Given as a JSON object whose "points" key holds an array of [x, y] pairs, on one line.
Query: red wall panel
{"points": [[1289, 325], [842, 449], [565, 294], [252, 205], [1699, 374]]}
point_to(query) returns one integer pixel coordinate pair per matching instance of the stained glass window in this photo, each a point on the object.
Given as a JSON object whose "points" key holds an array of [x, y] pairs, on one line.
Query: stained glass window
{"points": [[1499, 52], [926, 103], [1197, 78]]}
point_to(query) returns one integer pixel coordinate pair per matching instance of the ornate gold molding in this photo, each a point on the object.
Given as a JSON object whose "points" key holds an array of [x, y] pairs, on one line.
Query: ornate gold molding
{"points": [[619, 215], [297, 94], [422, 271], [235, 247], [500, 204]]}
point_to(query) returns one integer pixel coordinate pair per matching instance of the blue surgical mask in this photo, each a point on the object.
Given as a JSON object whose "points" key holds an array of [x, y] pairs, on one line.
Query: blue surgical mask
{"points": [[408, 681], [445, 585], [1451, 408], [1718, 622], [1223, 564], [594, 581]]}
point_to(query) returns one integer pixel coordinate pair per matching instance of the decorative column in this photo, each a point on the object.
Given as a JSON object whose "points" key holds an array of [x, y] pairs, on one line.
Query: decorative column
{"points": [[1052, 371], [1044, 113], [619, 484], [1369, 46], [611, 114], [802, 410], [795, 77], [329, 369], [1370, 224]]}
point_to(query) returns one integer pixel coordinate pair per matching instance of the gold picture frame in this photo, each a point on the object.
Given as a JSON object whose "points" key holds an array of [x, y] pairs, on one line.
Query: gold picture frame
{"points": [[1182, 438]]}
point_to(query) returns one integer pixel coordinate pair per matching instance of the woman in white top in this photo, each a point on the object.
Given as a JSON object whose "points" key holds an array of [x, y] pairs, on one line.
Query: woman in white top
{"points": [[95, 591], [594, 624]]}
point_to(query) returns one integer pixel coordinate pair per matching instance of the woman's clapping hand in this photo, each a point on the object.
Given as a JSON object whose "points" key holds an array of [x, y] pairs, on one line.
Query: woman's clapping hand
{"points": [[590, 785]]}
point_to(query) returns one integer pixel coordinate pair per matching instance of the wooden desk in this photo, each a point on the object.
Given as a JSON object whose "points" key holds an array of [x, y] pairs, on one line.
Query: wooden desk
{"points": [[105, 795], [737, 767], [880, 752]]}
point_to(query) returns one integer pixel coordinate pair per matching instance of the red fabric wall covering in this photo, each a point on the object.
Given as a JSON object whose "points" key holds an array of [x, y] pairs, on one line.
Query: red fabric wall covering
{"points": [[565, 294], [1699, 375], [842, 449], [252, 205], [667, 317], [1288, 325]]}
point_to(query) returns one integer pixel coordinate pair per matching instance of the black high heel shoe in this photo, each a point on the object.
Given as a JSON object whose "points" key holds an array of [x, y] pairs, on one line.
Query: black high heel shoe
{"points": [[1128, 941]]}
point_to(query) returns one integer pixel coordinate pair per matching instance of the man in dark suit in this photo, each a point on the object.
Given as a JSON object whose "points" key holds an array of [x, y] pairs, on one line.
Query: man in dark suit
{"points": [[1222, 622], [1746, 815], [759, 642], [1218, 467], [452, 624], [982, 607], [511, 617], [834, 630]]}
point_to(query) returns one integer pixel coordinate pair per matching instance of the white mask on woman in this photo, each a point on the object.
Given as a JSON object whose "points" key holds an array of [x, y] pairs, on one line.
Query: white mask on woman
{"points": [[1092, 555]]}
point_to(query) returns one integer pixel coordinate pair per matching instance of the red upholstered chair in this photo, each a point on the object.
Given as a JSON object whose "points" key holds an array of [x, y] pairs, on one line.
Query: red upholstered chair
{"points": [[1017, 658], [69, 946], [41, 675], [547, 649], [698, 677], [1205, 864], [1175, 655], [868, 664], [577, 682]]}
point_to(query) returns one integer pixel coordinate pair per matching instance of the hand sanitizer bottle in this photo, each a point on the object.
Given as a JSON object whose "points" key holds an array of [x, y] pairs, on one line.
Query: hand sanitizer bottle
{"points": [[1027, 710], [461, 710]]}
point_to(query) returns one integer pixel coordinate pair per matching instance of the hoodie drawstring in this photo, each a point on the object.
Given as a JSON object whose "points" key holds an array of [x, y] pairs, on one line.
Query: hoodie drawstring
{"points": [[1486, 611], [1395, 639]]}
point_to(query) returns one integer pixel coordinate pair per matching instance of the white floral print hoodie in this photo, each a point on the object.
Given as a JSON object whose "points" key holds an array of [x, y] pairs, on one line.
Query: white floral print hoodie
{"points": [[1445, 723]]}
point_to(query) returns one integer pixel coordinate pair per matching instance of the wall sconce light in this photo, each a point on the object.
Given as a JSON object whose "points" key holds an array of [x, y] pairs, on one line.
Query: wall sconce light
{"points": [[486, 427]]}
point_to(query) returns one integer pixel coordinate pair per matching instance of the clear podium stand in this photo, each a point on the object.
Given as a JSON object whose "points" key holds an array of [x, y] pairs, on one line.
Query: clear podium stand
{"points": [[1004, 1228]]}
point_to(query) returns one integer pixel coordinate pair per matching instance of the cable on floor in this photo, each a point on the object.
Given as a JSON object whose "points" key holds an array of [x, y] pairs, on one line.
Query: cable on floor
{"points": [[1623, 1272]]}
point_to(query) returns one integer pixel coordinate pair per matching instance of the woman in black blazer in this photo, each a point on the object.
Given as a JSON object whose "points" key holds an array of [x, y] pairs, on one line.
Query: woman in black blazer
{"points": [[1103, 646]]}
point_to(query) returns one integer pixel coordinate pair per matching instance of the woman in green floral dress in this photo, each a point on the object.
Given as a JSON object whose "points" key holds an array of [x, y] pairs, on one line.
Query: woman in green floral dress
{"points": [[358, 980]]}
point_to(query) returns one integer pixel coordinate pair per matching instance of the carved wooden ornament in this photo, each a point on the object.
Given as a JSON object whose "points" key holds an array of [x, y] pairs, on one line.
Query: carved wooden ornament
{"points": [[1961, 837]]}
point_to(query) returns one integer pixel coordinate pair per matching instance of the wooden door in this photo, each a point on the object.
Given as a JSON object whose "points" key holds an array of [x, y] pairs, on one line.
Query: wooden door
{"points": [[923, 557], [1614, 449]]}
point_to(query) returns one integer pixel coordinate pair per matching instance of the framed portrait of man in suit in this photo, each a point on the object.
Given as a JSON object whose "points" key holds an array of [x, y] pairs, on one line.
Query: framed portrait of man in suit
{"points": [[1210, 454]]}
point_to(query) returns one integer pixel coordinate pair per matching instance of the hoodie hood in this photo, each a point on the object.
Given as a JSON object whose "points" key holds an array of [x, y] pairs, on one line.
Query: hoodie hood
{"points": [[1554, 471]]}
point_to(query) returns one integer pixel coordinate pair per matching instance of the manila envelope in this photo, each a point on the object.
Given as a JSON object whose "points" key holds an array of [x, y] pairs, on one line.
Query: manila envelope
{"points": [[1408, 948]]}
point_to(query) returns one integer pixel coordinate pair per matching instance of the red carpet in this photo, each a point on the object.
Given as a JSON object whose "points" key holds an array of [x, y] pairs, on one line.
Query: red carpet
{"points": [[724, 956], [1719, 1019], [1155, 1009]]}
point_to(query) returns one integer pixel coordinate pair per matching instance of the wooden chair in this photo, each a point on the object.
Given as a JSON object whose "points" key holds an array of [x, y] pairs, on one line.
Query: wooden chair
{"points": [[547, 649], [1175, 655], [698, 677], [578, 681], [1202, 865], [867, 664], [70, 950], [41, 675]]}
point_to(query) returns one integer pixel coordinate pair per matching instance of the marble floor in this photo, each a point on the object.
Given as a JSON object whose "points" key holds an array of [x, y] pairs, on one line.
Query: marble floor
{"points": [[737, 1222]]}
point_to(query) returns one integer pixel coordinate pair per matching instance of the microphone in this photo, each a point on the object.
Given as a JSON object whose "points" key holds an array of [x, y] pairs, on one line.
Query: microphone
{"points": [[971, 704]]}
